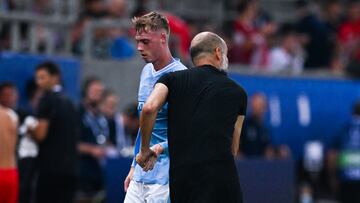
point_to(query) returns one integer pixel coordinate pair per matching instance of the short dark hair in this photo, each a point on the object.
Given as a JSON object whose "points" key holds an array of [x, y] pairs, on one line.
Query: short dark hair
{"points": [[50, 67], [243, 5], [6, 84], [86, 84], [131, 110]]}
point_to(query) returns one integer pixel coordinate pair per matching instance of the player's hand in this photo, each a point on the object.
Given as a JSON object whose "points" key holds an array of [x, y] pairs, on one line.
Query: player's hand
{"points": [[158, 149], [128, 178], [146, 159]]}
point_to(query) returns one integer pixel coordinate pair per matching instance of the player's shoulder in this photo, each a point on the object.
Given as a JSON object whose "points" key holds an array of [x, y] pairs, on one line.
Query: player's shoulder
{"points": [[178, 65], [147, 68]]}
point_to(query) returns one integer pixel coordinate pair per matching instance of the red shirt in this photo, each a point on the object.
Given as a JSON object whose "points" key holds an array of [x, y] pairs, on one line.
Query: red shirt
{"points": [[245, 37], [348, 32]]}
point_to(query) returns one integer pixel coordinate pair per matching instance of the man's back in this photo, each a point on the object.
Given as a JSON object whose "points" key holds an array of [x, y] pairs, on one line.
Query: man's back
{"points": [[203, 107], [8, 137]]}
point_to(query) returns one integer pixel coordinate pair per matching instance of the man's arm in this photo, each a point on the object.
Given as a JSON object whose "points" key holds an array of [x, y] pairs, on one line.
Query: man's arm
{"points": [[40, 131], [147, 120], [236, 134]]}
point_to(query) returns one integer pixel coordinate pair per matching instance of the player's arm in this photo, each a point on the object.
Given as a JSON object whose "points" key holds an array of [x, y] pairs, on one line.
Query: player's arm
{"points": [[147, 120], [236, 134]]}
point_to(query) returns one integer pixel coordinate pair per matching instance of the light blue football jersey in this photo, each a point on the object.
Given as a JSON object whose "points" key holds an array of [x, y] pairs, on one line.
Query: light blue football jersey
{"points": [[160, 172]]}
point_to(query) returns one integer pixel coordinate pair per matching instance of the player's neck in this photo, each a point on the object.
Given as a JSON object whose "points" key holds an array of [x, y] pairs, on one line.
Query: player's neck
{"points": [[163, 61]]}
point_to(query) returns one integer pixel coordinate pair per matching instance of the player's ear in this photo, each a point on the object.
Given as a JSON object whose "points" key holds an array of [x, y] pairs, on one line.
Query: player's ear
{"points": [[163, 37]]}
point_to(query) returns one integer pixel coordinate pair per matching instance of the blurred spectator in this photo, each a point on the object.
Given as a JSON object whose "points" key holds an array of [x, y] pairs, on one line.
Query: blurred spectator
{"points": [[349, 38], [93, 9], [261, 57], [288, 56], [56, 133], [344, 156], [319, 34], [117, 9], [180, 36], [245, 35], [333, 14], [120, 47], [116, 122], [255, 140], [131, 121], [93, 139], [28, 149]]}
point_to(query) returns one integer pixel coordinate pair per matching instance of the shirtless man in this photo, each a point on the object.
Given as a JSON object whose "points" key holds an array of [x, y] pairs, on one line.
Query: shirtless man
{"points": [[8, 170]]}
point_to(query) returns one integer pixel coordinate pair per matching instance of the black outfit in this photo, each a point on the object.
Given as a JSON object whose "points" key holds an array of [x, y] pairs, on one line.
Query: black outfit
{"points": [[321, 37], [112, 131], [203, 107], [255, 138], [58, 151], [91, 173]]}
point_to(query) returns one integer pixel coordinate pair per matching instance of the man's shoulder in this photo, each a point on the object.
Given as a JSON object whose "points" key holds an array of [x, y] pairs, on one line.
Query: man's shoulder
{"points": [[236, 86]]}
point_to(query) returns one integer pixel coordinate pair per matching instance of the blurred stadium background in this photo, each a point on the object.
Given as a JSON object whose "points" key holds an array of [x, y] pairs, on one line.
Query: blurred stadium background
{"points": [[303, 57]]}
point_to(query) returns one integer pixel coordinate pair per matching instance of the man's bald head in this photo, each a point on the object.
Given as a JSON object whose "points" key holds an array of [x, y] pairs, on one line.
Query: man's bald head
{"points": [[205, 45]]}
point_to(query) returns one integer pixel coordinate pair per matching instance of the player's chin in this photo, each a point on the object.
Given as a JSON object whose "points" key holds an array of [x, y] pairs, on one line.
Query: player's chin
{"points": [[147, 60]]}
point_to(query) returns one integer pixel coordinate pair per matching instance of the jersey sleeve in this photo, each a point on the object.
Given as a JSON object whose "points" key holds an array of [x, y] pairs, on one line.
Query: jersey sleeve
{"points": [[242, 102], [136, 148]]}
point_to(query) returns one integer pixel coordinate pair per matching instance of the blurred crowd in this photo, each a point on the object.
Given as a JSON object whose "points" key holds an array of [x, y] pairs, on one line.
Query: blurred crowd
{"points": [[71, 149], [322, 34]]}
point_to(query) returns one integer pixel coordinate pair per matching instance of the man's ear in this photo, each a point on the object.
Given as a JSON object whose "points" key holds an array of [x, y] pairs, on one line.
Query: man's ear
{"points": [[218, 53]]}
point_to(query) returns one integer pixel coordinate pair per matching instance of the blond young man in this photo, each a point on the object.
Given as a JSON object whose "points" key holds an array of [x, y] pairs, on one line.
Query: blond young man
{"points": [[152, 37]]}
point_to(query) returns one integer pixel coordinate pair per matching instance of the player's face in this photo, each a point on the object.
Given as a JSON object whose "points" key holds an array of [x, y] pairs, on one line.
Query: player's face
{"points": [[149, 45]]}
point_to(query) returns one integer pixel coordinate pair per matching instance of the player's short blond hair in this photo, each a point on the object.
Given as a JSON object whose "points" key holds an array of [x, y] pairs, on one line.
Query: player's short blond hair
{"points": [[152, 21]]}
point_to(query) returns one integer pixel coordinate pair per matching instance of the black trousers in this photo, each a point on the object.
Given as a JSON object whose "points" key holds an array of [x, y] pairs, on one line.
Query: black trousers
{"points": [[27, 172], [212, 182], [350, 192], [55, 188]]}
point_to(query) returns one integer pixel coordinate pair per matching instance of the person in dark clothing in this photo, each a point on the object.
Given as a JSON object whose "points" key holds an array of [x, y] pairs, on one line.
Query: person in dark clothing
{"points": [[256, 140], [206, 112], [343, 159], [93, 137], [56, 134], [320, 37]]}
